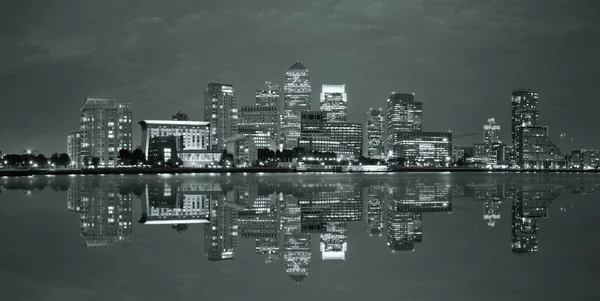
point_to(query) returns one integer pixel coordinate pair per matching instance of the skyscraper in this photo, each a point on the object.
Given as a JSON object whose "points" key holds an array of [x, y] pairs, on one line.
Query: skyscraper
{"points": [[105, 129], [404, 114], [334, 101], [297, 98], [269, 96], [375, 134], [221, 111], [524, 111]]}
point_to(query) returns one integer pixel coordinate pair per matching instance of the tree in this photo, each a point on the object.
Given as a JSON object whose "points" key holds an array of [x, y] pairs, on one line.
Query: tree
{"points": [[64, 160], [138, 157], [125, 156], [225, 157], [41, 160], [95, 161]]}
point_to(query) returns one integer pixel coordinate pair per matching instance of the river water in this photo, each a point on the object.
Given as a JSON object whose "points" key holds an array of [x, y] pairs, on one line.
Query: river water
{"points": [[402, 236]]}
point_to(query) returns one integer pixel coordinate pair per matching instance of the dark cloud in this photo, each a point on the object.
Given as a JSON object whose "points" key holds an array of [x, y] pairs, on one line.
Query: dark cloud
{"points": [[461, 57]]}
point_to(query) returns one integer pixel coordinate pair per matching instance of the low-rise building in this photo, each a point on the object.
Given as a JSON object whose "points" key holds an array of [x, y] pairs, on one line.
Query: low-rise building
{"points": [[164, 149], [317, 133], [243, 149], [536, 150], [424, 148]]}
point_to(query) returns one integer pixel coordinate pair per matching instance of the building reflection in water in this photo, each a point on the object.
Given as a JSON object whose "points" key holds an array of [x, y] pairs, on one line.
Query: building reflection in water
{"points": [[281, 219], [405, 211], [530, 203], [106, 214]]}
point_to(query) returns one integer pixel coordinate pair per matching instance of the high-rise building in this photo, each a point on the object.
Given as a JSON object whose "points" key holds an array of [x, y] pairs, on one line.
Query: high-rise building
{"points": [[269, 96], [491, 132], [404, 114], [106, 214], [221, 234], [221, 111], [105, 129], [74, 148], [297, 99], [375, 134], [524, 111], [263, 124], [334, 101]]}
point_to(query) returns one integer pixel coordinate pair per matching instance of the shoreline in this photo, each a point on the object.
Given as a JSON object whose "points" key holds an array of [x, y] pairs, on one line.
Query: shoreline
{"points": [[129, 171]]}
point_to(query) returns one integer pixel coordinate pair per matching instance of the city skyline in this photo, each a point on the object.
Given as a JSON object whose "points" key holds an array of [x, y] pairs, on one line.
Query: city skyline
{"points": [[147, 58]]}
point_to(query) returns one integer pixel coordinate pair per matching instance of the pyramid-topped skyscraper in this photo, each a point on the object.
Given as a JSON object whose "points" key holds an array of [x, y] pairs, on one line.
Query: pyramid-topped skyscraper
{"points": [[297, 98]]}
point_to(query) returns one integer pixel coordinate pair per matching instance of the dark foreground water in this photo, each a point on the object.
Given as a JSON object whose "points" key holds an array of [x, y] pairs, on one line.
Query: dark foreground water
{"points": [[437, 236]]}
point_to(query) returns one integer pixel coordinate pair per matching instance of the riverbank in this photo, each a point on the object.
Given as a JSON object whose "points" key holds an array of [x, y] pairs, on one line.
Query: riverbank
{"points": [[163, 170]]}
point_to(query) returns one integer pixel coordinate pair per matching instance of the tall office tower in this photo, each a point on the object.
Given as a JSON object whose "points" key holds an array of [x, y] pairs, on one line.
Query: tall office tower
{"points": [[179, 116], [297, 98], [297, 245], [404, 114], [491, 132], [269, 96], [334, 101], [221, 233], [221, 110], [524, 111], [375, 134], [105, 129]]}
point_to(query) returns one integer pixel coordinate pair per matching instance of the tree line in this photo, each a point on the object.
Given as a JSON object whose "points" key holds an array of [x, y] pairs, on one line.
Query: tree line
{"points": [[40, 160]]}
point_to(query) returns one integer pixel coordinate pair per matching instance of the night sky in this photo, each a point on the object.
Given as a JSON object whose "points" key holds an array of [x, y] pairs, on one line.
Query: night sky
{"points": [[462, 58]]}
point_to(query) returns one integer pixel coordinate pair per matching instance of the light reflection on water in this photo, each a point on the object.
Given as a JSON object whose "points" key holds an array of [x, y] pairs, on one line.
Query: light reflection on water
{"points": [[306, 223]]}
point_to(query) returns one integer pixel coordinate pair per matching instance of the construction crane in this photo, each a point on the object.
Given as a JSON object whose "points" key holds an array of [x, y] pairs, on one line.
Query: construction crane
{"points": [[464, 135]]}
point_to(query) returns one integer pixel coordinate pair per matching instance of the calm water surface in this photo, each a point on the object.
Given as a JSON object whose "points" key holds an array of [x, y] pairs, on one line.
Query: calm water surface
{"points": [[436, 236]]}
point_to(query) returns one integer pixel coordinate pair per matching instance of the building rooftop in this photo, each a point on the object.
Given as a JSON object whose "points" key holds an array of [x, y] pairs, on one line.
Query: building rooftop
{"points": [[174, 122], [297, 66], [298, 278]]}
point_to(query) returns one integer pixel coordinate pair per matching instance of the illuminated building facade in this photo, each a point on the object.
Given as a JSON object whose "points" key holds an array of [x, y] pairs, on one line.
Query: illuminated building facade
{"points": [[405, 211], [491, 132], [74, 148], [375, 134], [263, 124], [404, 114], [524, 112], [297, 245], [530, 203], [338, 137], [173, 203], [164, 148], [195, 135], [334, 101], [270, 96], [424, 148], [221, 111], [375, 208], [221, 233], [297, 99], [243, 149], [106, 215], [105, 129], [536, 150], [334, 241]]}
